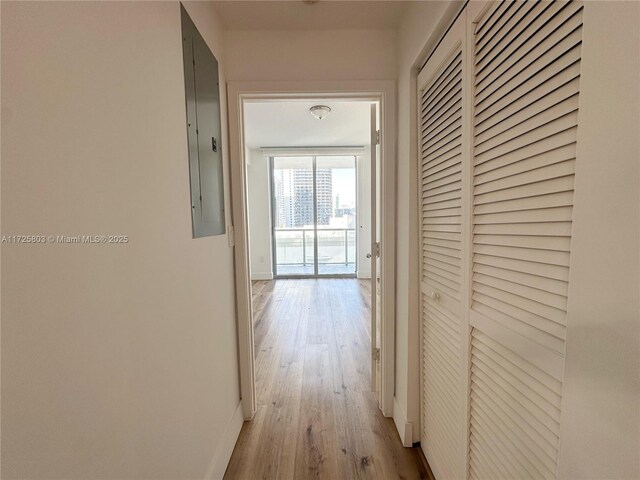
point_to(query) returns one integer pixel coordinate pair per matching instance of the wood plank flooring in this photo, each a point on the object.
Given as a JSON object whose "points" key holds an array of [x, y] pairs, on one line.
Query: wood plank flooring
{"points": [[316, 416]]}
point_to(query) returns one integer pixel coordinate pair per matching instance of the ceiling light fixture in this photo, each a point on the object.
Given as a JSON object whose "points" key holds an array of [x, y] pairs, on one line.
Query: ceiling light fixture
{"points": [[320, 111]]}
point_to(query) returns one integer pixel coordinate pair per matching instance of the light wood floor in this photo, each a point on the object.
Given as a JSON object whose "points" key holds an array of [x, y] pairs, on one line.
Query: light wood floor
{"points": [[316, 416]]}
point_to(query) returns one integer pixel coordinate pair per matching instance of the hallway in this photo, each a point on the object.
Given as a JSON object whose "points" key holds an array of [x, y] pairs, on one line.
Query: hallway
{"points": [[317, 417]]}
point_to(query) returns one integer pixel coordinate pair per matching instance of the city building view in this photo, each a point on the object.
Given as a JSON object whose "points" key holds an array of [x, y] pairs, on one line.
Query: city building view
{"points": [[293, 190], [334, 207]]}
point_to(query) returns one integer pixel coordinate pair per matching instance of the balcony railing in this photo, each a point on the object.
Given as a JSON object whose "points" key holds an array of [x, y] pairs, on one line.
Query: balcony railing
{"points": [[336, 246]]}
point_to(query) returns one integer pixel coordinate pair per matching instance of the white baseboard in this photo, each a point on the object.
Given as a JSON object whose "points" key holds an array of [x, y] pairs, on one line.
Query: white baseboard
{"points": [[405, 429], [225, 447], [261, 276]]}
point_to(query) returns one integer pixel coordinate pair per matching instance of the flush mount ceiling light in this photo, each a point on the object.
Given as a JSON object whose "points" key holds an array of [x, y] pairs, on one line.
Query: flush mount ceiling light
{"points": [[320, 111]]}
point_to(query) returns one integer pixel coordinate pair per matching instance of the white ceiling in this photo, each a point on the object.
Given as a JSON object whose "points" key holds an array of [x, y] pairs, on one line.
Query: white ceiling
{"points": [[299, 15], [289, 124]]}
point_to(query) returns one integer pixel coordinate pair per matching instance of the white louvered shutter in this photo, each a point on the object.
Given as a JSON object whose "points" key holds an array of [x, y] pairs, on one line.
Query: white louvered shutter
{"points": [[441, 199], [526, 71]]}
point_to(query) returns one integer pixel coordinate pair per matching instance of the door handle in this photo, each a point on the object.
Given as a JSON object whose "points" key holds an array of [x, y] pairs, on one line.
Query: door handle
{"points": [[368, 255]]}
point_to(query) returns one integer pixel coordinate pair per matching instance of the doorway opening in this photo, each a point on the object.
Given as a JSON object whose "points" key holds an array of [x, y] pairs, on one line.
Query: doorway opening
{"points": [[313, 212], [258, 258]]}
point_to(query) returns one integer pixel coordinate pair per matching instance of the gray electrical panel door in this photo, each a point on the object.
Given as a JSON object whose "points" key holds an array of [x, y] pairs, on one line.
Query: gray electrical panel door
{"points": [[202, 90]]}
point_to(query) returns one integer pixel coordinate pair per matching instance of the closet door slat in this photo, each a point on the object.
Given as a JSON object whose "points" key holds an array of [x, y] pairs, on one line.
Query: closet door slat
{"points": [[565, 38], [449, 73], [503, 26], [541, 23], [557, 287]]}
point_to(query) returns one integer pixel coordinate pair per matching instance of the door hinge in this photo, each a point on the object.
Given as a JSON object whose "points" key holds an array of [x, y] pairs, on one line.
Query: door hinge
{"points": [[376, 354], [376, 249], [377, 137]]}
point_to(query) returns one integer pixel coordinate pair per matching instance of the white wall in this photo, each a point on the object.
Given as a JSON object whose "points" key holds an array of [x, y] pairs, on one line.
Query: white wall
{"points": [[421, 25], [310, 55], [600, 423], [259, 206], [118, 361]]}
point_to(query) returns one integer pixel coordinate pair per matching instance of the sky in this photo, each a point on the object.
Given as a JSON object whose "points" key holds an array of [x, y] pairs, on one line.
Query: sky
{"points": [[344, 184]]}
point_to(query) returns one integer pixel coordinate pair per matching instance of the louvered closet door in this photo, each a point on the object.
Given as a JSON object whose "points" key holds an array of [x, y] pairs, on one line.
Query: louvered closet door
{"points": [[441, 113], [526, 73]]}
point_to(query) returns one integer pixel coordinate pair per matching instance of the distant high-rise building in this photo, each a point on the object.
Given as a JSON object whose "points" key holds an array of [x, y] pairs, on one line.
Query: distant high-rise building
{"points": [[302, 189], [324, 190], [284, 202], [294, 197]]}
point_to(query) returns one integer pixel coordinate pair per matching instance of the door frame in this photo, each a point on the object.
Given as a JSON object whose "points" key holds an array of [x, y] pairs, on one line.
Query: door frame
{"points": [[382, 91]]}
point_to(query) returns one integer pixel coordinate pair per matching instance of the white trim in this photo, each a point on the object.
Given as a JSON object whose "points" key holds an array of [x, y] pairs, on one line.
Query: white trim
{"points": [[317, 151], [383, 91], [261, 275], [221, 458], [405, 429]]}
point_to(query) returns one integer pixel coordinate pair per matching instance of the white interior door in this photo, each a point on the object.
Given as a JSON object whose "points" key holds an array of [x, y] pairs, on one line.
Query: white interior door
{"points": [[442, 194]]}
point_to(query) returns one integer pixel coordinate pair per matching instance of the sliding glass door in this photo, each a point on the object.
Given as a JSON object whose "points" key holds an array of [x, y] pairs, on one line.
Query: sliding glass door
{"points": [[293, 216], [336, 207], [314, 215]]}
